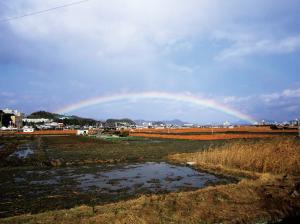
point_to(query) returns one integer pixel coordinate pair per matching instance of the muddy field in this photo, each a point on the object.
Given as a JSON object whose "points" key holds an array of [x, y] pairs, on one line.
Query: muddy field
{"points": [[146, 180], [42, 173]]}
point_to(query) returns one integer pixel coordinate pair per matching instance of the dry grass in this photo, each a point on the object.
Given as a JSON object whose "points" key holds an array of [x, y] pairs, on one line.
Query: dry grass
{"points": [[277, 156]]}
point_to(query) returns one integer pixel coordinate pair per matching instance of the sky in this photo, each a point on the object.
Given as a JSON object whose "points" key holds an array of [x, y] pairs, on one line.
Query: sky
{"points": [[242, 54]]}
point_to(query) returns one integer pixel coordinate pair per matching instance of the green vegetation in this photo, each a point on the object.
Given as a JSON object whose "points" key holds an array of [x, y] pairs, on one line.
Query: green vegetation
{"points": [[75, 120], [44, 114], [111, 124], [67, 120], [75, 149], [79, 150]]}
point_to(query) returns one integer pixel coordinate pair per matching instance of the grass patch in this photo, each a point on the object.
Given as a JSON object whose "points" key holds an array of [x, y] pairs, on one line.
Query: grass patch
{"points": [[80, 150]]}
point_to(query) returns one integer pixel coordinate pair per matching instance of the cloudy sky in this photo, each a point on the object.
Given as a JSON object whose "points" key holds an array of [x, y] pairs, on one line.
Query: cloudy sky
{"points": [[244, 54]]}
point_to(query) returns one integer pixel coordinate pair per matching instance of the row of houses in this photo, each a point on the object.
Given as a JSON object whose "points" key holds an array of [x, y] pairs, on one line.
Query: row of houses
{"points": [[13, 120]]}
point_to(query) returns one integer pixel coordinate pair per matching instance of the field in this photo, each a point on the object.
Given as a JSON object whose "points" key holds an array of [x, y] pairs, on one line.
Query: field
{"points": [[238, 130], [39, 132], [213, 133], [265, 184], [202, 136], [78, 154]]}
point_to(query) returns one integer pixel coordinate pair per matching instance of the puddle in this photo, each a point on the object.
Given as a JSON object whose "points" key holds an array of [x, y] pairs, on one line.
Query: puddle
{"points": [[23, 151], [44, 182], [156, 141], [95, 184], [154, 177], [127, 179], [19, 179]]}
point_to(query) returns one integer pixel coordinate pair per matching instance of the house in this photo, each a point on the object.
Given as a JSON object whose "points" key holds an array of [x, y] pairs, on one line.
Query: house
{"points": [[11, 118], [28, 129], [82, 132]]}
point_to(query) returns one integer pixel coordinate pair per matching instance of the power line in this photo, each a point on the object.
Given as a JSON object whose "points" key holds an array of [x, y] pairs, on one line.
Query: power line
{"points": [[43, 11]]}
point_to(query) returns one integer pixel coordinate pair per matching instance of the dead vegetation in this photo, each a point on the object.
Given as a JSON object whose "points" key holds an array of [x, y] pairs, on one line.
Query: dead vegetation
{"points": [[277, 156]]}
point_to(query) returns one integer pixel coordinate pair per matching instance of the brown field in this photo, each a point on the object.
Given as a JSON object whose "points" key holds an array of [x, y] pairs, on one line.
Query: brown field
{"points": [[202, 137], [41, 132], [264, 129], [44, 132]]}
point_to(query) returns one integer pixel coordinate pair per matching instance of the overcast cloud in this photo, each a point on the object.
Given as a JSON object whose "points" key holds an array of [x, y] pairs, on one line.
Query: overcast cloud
{"points": [[230, 51]]}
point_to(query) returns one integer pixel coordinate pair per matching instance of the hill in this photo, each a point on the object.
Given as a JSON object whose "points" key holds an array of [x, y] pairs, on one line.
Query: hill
{"points": [[113, 122], [67, 120], [44, 114]]}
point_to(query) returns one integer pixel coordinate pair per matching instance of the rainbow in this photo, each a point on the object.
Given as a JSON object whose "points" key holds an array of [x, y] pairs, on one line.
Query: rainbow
{"points": [[186, 98]]}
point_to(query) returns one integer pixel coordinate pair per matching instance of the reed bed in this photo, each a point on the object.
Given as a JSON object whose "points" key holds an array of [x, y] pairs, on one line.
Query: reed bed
{"points": [[277, 156]]}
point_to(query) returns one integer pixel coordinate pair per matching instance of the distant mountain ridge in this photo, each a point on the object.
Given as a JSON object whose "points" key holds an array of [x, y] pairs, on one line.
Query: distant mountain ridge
{"points": [[72, 119]]}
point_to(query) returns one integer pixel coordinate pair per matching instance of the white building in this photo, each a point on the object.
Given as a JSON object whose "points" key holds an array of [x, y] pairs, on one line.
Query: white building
{"points": [[10, 111], [82, 132], [226, 124], [28, 129], [37, 120], [188, 125]]}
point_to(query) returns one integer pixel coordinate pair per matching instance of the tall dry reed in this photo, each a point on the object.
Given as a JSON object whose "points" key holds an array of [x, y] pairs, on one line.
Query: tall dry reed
{"points": [[274, 156]]}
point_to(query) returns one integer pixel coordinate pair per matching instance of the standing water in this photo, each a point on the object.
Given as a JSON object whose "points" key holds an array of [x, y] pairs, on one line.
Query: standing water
{"points": [[23, 151], [152, 176], [66, 187], [128, 179]]}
